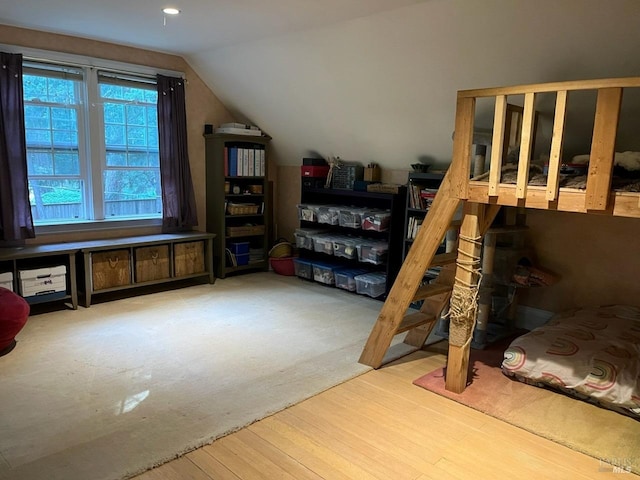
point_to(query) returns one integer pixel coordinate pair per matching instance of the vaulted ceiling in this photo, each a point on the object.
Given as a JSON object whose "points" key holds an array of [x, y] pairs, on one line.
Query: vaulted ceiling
{"points": [[368, 80]]}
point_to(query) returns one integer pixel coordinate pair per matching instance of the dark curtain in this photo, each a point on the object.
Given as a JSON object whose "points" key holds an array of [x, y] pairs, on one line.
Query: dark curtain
{"points": [[16, 223], [178, 198]]}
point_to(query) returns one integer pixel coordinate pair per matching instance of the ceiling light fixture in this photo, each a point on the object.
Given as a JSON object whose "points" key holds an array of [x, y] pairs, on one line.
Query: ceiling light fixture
{"points": [[171, 11]]}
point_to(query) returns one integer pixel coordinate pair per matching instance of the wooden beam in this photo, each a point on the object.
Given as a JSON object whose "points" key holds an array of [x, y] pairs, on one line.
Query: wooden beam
{"points": [[460, 168], [557, 140], [497, 143], [620, 204], [603, 145], [526, 145], [462, 311], [552, 87], [429, 237]]}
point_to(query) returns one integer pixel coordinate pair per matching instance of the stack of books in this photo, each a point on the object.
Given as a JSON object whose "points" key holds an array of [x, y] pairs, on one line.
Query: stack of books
{"points": [[239, 129], [421, 197]]}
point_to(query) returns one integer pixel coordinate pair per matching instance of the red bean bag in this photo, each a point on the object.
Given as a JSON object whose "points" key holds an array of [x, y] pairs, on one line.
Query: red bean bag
{"points": [[14, 311]]}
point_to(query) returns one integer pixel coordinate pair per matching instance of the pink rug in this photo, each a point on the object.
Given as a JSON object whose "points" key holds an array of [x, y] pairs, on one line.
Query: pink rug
{"points": [[584, 427], [485, 383]]}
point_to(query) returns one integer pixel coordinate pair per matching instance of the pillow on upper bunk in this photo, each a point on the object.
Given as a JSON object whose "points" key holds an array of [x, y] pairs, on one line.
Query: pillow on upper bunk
{"points": [[590, 353]]}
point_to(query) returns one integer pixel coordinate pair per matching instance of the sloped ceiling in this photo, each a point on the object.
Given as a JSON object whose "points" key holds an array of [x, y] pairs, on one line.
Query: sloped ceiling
{"points": [[367, 80]]}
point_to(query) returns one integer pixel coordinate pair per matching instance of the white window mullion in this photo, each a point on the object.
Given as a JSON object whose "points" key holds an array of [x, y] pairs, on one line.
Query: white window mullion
{"points": [[96, 139]]}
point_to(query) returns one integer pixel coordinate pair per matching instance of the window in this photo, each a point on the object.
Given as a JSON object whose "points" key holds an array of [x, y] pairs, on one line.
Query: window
{"points": [[92, 144]]}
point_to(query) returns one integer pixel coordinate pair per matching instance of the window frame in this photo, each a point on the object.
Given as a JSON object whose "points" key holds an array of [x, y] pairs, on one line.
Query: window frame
{"points": [[96, 136]]}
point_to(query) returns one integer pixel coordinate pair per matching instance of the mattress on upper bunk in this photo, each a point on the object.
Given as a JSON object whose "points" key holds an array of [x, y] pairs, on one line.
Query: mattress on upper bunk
{"points": [[626, 173], [590, 353]]}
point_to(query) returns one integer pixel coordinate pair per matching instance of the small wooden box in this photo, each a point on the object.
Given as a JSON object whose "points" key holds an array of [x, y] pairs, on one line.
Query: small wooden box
{"points": [[188, 258], [110, 269], [152, 263], [372, 174]]}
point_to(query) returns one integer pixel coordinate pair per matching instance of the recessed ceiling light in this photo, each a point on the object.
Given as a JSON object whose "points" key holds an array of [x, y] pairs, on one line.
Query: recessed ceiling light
{"points": [[171, 11]]}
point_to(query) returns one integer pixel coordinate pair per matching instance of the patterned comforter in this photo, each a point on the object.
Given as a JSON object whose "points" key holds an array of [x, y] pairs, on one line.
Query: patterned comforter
{"points": [[591, 353]]}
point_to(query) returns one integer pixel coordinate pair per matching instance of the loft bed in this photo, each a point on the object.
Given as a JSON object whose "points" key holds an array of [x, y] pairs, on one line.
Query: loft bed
{"points": [[482, 194]]}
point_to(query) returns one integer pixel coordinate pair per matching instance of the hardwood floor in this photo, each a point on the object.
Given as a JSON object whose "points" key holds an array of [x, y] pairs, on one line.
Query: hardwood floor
{"points": [[380, 426]]}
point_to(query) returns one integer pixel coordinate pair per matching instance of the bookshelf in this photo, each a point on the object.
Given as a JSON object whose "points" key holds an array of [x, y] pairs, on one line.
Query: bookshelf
{"points": [[238, 199], [421, 190]]}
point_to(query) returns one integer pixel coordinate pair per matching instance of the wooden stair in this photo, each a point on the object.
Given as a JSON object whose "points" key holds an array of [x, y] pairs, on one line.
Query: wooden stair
{"points": [[406, 288]]}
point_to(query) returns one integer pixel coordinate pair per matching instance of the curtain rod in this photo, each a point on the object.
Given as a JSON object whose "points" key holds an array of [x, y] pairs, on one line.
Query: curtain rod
{"points": [[86, 65]]}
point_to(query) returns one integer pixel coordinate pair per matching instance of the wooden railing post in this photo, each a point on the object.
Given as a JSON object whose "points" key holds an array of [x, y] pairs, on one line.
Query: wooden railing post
{"points": [[462, 140], [603, 145]]}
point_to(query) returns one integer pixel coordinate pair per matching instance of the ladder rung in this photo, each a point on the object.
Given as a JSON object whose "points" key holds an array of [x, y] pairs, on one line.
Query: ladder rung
{"points": [[426, 291], [414, 320], [444, 259]]}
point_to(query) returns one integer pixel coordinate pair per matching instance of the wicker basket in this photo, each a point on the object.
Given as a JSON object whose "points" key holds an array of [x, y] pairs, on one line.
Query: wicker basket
{"points": [[245, 230], [281, 249], [242, 209]]}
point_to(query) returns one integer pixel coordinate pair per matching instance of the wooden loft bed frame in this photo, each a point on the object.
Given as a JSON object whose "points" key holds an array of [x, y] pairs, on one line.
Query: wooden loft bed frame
{"points": [[481, 202]]}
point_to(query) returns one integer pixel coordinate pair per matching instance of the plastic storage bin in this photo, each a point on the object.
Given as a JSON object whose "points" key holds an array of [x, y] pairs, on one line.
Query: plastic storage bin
{"points": [[303, 268], [307, 213], [373, 252], [242, 259], [371, 284], [304, 237], [351, 217], [323, 243], [377, 220], [325, 272], [328, 214], [345, 247], [238, 248], [345, 278]]}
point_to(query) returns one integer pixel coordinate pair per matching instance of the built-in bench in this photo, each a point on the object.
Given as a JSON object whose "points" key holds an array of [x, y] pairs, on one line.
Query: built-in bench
{"points": [[116, 263]]}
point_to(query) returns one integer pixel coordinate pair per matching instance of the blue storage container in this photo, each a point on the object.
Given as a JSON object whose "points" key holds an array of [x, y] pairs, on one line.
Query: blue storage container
{"points": [[345, 278], [303, 268], [323, 272], [242, 259], [239, 248]]}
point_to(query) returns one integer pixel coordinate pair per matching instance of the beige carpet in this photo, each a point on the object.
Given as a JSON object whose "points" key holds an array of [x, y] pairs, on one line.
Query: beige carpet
{"points": [[109, 391], [608, 436]]}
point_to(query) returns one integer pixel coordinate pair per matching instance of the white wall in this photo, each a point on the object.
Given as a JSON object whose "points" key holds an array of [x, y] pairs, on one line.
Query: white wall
{"points": [[382, 88]]}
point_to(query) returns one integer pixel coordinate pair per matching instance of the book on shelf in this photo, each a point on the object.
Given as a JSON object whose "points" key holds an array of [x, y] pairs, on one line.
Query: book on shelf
{"points": [[233, 161], [413, 226], [421, 197], [244, 161]]}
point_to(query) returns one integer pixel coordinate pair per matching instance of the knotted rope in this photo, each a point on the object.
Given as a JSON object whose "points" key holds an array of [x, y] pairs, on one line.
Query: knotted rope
{"points": [[464, 297]]}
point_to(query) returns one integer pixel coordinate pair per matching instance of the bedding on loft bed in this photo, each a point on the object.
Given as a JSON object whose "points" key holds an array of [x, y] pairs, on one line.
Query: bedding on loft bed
{"points": [[626, 173], [591, 353]]}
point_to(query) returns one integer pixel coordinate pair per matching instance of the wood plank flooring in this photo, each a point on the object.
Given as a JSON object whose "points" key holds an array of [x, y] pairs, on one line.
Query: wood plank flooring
{"points": [[380, 426]]}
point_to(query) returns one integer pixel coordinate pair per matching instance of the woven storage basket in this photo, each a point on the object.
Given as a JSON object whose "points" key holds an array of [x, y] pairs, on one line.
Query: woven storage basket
{"points": [[281, 249], [242, 209], [245, 230]]}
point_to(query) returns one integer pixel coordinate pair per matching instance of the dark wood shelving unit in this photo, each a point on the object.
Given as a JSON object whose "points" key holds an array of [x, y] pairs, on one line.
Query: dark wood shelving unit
{"points": [[218, 219], [394, 202]]}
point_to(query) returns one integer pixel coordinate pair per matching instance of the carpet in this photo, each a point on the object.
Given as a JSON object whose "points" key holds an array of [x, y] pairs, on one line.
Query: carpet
{"points": [[109, 391], [608, 436]]}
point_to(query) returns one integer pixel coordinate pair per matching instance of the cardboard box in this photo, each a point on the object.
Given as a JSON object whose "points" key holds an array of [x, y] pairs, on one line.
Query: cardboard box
{"points": [[372, 174], [43, 281], [6, 280]]}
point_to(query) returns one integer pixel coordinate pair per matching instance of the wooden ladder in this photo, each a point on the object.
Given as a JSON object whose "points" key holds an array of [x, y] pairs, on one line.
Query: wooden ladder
{"points": [[406, 289]]}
